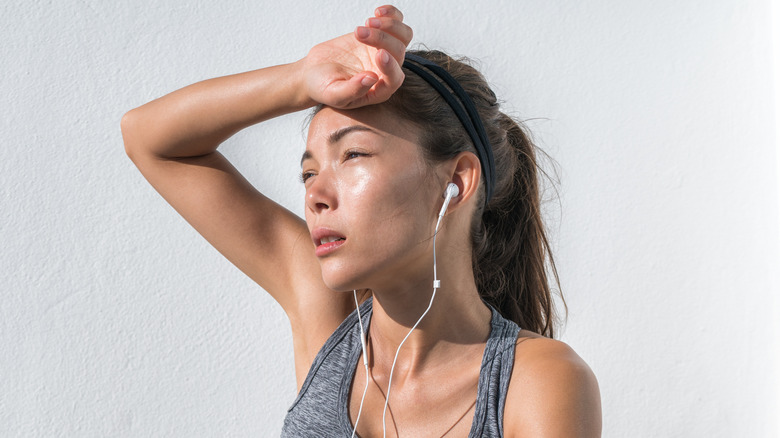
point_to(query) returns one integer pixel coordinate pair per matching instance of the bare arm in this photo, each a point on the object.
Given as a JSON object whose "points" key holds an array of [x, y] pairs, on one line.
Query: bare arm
{"points": [[173, 141], [194, 120]]}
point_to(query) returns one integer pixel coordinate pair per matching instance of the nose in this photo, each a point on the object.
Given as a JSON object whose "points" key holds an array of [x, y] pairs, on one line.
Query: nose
{"points": [[321, 193]]}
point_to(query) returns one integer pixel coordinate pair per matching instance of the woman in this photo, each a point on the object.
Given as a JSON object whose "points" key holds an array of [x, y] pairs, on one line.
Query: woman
{"points": [[385, 151]]}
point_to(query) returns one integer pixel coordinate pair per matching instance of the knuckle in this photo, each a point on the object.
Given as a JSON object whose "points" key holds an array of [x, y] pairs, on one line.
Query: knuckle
{"points": [[393, 11]]}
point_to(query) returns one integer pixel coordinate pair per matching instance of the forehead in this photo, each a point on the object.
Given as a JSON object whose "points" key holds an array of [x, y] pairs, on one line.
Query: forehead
{"points": [[328, 121]]}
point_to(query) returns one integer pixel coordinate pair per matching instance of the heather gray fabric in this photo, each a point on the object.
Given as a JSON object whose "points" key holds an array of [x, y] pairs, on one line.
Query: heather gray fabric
{"points": [[321, 409]]}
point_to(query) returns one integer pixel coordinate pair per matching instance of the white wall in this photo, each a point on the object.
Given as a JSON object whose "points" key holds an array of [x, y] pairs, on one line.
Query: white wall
{"points": [[117, 319], [776, 318]]}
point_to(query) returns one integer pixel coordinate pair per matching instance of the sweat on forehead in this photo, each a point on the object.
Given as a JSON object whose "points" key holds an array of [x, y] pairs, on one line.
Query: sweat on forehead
{"points": [[331, 123]]}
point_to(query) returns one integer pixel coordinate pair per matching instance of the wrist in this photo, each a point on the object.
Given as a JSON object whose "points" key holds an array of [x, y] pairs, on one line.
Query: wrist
{"points": [[301, 98]]}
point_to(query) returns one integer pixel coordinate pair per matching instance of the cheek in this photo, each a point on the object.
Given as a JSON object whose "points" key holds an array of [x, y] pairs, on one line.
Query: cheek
{"points": [[394, 210], [389, 194], [411, 194], [359, 184]]}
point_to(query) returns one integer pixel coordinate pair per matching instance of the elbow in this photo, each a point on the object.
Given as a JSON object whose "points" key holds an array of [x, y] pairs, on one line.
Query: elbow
{"points": [[129, 130]]}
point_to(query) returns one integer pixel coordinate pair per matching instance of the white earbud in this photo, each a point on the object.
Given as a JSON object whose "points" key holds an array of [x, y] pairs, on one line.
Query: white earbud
{"points": [[453, 189], [451, 192]]}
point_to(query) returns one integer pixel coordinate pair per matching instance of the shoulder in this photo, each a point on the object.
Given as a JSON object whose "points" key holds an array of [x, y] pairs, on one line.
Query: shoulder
{"points": [[552, 391]]}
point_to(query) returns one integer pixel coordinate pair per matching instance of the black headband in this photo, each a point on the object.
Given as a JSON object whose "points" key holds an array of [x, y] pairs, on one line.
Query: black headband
{"points": [[469, 118]]}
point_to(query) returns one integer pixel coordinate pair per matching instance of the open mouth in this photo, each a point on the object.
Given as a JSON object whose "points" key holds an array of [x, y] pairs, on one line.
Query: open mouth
{"points": [[328, 244], [330, 239], [326, 240]]}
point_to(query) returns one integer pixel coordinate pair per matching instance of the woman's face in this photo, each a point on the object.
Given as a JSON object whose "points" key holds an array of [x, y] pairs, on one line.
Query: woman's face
{"points": [[370, 199]]}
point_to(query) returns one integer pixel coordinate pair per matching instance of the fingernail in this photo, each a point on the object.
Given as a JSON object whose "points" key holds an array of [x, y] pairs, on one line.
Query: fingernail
{"points": [[367, 81], [381, 11], [385, 57], [363, 32], [374, 22]]}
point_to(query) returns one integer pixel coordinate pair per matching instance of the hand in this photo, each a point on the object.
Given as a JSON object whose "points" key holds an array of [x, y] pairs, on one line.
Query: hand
{"points": [[360, 68]]}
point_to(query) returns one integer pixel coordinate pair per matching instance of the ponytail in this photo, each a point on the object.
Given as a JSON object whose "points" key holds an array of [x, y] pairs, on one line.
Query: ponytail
{"points": [[511, 255], [511, 252]]}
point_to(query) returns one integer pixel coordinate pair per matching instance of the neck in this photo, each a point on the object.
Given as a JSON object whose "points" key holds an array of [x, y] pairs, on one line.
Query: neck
{"points": [[457, 318]]}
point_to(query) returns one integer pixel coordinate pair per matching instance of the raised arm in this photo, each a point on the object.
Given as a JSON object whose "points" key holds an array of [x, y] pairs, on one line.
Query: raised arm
{"points": [[173, 141]]}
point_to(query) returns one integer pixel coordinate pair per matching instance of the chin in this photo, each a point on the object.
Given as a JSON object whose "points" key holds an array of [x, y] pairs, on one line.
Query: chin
{"points": [[338, 277], [343, 286]]}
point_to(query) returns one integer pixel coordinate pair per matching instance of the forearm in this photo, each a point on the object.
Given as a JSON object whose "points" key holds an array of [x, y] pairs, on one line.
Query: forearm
{"points": [[194, 120]]}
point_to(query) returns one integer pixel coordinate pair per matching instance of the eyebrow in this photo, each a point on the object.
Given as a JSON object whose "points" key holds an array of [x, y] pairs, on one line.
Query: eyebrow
{"points": [[338, 134]]}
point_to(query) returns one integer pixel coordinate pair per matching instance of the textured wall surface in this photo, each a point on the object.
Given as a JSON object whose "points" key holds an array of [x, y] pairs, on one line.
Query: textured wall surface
{"points": [[118, 319]]}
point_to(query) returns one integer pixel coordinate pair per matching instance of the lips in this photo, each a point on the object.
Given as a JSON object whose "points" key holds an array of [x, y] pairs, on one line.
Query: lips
{"points": [[326, 240]]}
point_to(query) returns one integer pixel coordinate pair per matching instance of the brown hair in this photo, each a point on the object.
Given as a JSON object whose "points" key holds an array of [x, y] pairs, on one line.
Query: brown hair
{"points": [[510, 250]]}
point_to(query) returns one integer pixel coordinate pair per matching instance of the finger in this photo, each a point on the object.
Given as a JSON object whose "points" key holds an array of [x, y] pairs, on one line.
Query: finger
{"points": [[392, 26], [389, 11], [392, 76], [344, 93], [381, 40]]}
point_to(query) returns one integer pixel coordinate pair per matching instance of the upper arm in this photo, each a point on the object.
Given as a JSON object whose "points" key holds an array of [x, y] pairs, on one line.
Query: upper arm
{"points": [[257, 235], [268, 243], [552, 393]]}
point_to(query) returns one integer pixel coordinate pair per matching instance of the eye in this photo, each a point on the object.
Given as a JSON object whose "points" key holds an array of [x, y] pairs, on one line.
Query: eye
{"points": [[352, 153], [306, 175]]}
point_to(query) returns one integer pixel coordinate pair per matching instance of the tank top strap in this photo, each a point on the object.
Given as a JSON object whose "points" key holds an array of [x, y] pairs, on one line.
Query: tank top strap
{"points": [[321, 407], [494, 375], [336, 352]]}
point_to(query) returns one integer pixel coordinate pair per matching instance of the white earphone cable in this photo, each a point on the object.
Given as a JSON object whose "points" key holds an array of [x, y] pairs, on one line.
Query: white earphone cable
{"points": [[452, 190], [436, 284], [365, 362]]}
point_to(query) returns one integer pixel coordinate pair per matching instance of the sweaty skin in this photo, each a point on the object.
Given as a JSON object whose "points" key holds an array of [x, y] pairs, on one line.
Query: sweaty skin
{"points": [[366, 183], [366, 187]]}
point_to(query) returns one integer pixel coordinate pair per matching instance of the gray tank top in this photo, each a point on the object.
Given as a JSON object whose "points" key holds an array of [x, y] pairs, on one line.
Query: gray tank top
{"points": [[321, 409]]}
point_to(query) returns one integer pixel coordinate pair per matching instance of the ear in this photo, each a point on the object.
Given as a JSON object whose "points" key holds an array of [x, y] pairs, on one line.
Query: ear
{"points": [[465, 172]]}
